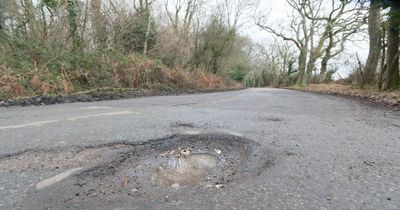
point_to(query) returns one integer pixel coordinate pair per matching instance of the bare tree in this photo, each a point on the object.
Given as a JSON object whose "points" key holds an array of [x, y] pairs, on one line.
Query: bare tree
{"points": [[319, 31], [301, 35], [180, 15], [349, 23], [234, 12], [181, 18], [272, 64]]}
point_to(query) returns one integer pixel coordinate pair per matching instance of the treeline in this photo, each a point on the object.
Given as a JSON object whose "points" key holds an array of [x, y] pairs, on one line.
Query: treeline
{"points": [[57, 46], [53, 46], [307, 49]]}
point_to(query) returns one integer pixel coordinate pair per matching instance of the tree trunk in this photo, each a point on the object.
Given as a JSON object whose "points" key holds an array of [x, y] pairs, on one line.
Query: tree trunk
{"points": [[326, 58], [214, 64], [383, 58], [44, 21], [30, 17], [324, 67], [392, 62], [99, 24], [146, 40], [374, 42], [313, 58], [2, 15], [302, 65], [311, 65], [73, 23]]}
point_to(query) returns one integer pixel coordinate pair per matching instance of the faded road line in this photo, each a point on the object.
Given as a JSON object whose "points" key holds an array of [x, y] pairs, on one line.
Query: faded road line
{"points": [[101, 115], [29, 124], [40, 123], [57, 178], [95, 107]]}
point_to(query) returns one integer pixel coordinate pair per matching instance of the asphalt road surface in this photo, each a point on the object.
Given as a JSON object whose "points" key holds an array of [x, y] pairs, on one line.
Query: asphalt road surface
{"points": [[330, 152]]}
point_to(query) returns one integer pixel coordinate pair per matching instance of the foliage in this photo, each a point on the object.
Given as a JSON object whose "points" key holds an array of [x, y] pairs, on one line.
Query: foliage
{"points": [[216, 41], [238, 73], [50, 3], [73, 23], [53, 47], [135, 33]]}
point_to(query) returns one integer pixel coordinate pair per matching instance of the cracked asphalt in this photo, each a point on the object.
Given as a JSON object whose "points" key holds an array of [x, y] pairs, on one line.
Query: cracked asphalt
{"points": [[333, 152]]}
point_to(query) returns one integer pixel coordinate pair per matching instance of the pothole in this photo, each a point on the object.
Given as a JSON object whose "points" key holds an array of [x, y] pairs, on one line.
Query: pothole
{"points": [[159, 168]]}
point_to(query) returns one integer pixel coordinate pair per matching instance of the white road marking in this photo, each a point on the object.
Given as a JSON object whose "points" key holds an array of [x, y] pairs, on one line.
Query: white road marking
{"points": [[57, 178], [95, 107], [224, 131], [221, 131], [229, 132], [101, 115], [29, 124], [192, 132], [41, 123]]}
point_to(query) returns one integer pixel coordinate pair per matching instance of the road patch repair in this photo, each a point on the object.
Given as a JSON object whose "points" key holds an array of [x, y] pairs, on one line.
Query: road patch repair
{"points": [[142, 175]]}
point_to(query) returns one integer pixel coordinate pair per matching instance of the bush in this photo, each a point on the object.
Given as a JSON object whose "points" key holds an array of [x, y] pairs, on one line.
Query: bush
{"points": [[34, 69], [239, 73]]}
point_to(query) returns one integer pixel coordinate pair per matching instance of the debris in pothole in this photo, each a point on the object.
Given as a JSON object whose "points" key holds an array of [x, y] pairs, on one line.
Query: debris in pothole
{"points": [[176, 185], [186, 151], [125, 182], [219, 186], [164, 153], [218, 151]]}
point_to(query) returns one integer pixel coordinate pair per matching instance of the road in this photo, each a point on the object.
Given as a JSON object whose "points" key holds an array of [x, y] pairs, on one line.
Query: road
{"points": [[334, 153]]}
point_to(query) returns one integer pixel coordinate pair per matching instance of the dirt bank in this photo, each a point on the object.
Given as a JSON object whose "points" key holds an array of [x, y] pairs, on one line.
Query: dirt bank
{"points": [[103, 95]]}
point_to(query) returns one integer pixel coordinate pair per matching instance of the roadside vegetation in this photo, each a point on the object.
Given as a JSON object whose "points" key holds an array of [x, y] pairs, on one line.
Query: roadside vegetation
{"points": [[65, 46]]}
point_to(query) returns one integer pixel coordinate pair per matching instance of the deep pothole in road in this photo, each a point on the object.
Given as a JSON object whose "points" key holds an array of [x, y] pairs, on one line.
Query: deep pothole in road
{"points": [[157, 168]]}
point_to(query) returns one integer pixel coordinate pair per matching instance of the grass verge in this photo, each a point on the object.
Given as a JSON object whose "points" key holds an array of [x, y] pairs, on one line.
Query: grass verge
{"points": [[386, 98]]}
